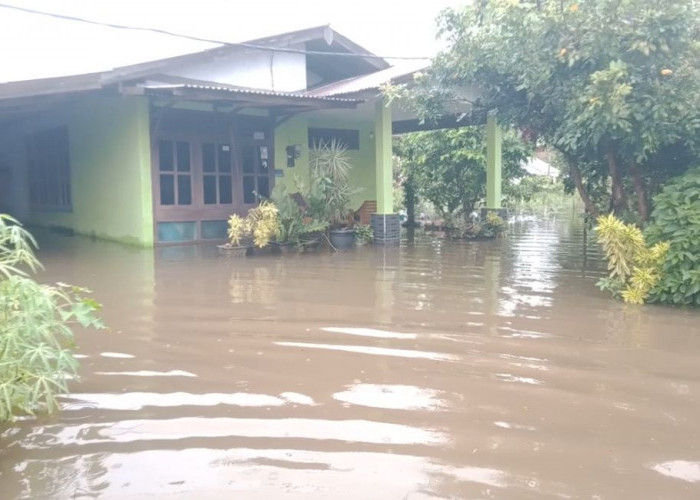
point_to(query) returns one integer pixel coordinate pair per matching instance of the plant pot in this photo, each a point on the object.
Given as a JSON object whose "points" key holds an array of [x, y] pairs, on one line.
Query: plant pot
{"points": [[268, 249], [342, 239], [287, 247], [309, 242], [230, 251]]}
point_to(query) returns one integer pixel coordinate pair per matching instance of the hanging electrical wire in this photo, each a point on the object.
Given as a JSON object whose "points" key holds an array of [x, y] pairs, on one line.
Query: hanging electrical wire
{"points": [[202, 39]]}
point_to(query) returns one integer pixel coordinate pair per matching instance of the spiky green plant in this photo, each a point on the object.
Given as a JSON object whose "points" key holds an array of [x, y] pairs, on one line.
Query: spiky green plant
{"points": [[330, 192], [634, 267], [36, 337]]}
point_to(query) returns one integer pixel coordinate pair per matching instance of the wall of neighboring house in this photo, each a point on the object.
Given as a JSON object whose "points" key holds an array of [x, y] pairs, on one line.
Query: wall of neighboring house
{"points": [[279, 71], [295, 131], [110, 174], [13, 200]]}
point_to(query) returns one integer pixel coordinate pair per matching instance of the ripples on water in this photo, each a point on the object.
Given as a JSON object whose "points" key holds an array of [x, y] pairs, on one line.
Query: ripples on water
{"points": [[437, 370]]}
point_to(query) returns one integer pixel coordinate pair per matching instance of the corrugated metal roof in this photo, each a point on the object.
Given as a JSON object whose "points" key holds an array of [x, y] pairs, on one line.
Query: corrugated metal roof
{"points": [[244, 90], [370, 81]]}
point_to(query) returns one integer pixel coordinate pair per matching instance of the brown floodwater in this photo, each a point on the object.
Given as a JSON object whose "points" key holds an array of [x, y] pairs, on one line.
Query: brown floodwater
{"points": [[434, 370]]}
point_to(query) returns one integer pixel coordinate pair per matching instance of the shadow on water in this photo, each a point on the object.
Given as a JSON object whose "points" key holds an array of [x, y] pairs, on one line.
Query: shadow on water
{"points": [[438, 369]]}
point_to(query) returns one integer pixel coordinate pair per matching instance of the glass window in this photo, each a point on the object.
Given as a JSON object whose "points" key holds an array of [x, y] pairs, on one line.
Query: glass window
{"points": [[167, 189], [248, 189], [48, 166], [224, 158], [172, 232], [214, 229], [208, 157], [225, 189], [348, 137], [183, 156], [264, 186], [184, 190], [165, 156], [209, 185], [248, 158]]}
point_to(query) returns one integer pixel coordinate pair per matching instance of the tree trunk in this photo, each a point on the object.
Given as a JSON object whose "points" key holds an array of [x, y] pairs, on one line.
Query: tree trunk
{"points": [[619, 201], [410, 198], [582, 192], [640, 190]]}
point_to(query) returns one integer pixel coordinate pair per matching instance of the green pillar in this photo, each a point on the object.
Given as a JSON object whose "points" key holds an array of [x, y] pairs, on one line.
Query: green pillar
{"points": [[493, 162], [383, 157]]}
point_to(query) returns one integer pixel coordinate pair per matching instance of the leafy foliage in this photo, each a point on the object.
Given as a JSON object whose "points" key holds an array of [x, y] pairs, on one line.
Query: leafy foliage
{"points": [[329, 190], [36, 339], [537, 194], [262, 223], [363, 233], [635, 267], [448, 167], [614, 85], [676, 218], [237, 229], [294, 222], [493, 226]]}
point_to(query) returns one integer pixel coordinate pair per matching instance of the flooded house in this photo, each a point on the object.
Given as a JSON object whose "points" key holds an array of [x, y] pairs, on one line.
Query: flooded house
{"points": [[163, 152]]}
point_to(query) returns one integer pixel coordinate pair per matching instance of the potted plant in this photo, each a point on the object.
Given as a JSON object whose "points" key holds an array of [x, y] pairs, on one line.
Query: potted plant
{"points": [[237, 230], [363, 233], [297, 229], [260, 225], [263, 223], [330, 192]]}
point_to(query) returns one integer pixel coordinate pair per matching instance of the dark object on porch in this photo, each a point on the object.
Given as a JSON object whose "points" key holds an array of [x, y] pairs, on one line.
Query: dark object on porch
{"points": [[299, 200], [363, 214], [342, 239]]}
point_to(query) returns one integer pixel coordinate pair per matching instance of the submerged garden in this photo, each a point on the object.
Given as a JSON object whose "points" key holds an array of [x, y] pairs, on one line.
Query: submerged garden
{"points": [[609, 88]]}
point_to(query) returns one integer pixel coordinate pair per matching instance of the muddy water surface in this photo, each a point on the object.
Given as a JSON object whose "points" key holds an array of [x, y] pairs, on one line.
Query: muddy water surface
{"points": [[437, 370]]}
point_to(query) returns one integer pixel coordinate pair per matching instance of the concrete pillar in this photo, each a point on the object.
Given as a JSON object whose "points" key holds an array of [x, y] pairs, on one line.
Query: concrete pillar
{"points": [[385, 223], [494, 181], [493, 163], [383, 157]]}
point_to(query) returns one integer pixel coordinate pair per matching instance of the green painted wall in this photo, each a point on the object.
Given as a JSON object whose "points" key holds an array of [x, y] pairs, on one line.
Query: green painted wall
{"points": [[295, 131], [110, 163]]}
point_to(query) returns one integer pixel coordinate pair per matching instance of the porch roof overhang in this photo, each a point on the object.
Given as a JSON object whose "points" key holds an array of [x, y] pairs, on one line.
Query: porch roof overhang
{"points": [[242, 97], [462, 112]]}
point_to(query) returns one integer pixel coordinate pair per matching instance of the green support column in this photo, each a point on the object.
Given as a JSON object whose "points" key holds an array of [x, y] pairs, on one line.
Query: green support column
{"points": [[493, 163], [385, 224], [383, 157]]}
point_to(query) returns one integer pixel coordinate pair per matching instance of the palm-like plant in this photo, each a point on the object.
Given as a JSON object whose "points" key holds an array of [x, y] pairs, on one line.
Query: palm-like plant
{"points": [[331, 192]]}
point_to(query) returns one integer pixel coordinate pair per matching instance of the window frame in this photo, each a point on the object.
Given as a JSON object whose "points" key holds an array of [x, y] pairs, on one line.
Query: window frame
{"points": [[349, 137], [49, 176]]}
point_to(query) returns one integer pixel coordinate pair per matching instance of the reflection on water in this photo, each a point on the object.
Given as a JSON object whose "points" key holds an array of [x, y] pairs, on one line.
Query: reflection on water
{"points": [[436, 370], [139, 400], [398, 397], [687, 471]]}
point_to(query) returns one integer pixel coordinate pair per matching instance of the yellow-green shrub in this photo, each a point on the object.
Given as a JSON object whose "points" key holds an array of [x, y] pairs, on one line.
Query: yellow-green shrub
{"points": [[262, 222], [635, 267]]}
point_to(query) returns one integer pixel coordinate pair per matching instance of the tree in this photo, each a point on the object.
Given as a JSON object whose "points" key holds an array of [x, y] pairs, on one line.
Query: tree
{"points": [[36, 339], [614, 85], [448, 167]]}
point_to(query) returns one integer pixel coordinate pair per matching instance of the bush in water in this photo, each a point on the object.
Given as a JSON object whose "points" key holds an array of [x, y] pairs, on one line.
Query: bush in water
{"points": [[676, 218], [635, 267], [36, 340]]}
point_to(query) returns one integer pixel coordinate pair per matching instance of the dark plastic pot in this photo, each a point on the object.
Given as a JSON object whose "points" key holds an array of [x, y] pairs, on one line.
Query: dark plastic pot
{"points": [[342, 239], [229, 251]]}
